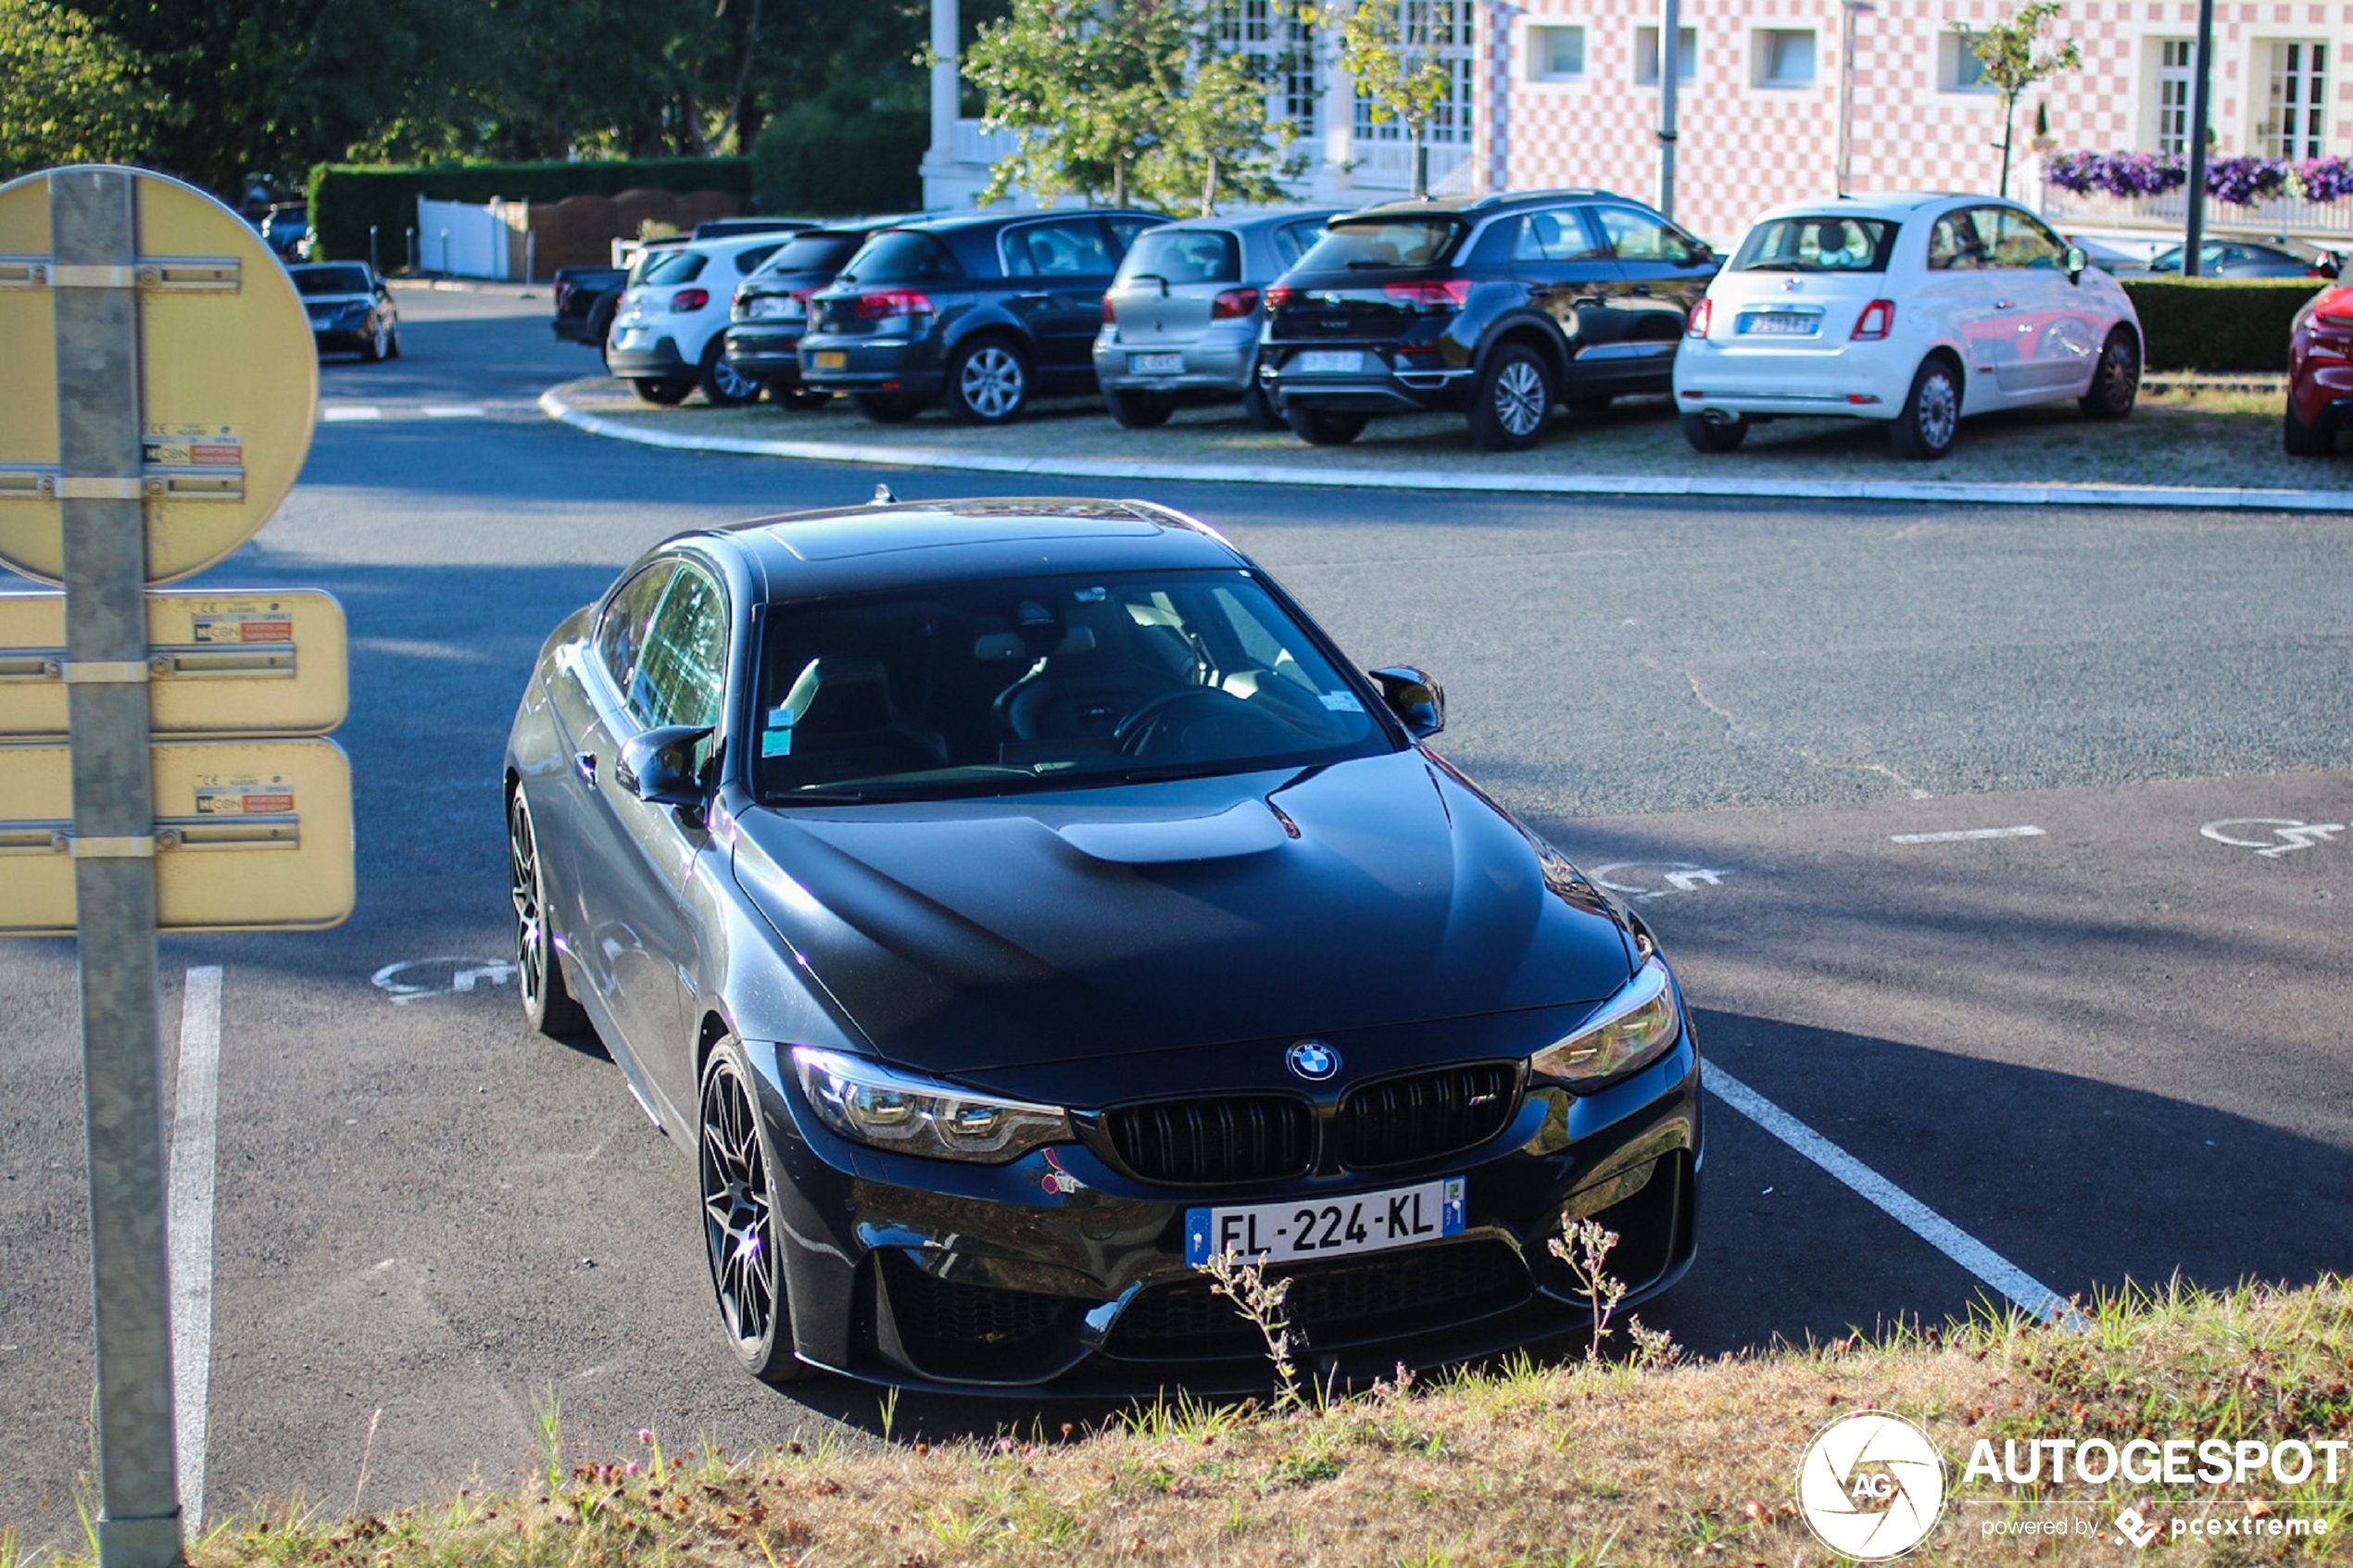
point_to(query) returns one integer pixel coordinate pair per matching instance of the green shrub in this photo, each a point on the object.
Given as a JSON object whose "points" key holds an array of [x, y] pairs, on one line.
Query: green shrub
{"points": [[816, 160], [2218, 323], [346, 197]]}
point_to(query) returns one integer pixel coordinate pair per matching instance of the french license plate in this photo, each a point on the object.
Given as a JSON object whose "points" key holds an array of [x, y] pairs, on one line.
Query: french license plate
{"points": [[1779, 323], [1364, 1221], [1320, 363], [1154, 364], [830, 358]]}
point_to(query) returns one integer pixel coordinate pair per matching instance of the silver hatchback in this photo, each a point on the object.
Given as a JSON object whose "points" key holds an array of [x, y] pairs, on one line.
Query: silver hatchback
{"points": [[1180, 321]]}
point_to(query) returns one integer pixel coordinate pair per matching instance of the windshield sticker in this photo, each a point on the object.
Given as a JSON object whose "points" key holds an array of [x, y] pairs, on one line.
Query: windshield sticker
{"points": [[776, 743], [1342, 702]]}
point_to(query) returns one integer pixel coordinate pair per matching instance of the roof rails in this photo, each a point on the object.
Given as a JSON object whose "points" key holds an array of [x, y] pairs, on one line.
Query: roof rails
{"points": [[1493, 197]]}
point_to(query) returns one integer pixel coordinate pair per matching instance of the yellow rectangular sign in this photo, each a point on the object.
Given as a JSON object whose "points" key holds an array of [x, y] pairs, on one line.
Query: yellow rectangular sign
{"points": [[221, 663], [250, 835]]}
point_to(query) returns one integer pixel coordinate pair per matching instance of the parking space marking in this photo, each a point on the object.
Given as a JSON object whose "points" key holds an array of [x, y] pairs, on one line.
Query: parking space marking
{"points": [[1990, 1267], [413, 980], [2287, 834], [1635, 879], [343, 413], [453, 410], [194, 1146], [1954, 836]]}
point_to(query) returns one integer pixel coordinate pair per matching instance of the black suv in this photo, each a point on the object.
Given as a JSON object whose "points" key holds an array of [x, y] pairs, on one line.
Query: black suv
{"points": [[770, 308], [979, 313], [1497, 305]]}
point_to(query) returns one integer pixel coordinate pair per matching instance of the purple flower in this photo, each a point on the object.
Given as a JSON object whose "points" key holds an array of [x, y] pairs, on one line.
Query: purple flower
{"points": [[2243, 182], [2325, 179], [2128, 175]]}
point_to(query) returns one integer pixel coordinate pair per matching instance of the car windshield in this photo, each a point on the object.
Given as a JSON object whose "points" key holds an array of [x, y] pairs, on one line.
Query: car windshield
{"points": [[1185, 255], [677, 267], [331, 280], [813, 253], [1051, 683], [1382, 243], [1818, 244], [901, 255]]}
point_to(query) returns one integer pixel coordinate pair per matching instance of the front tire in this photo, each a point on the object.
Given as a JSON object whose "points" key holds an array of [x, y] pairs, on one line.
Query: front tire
{"points": [[737, 1177], [1931, 419], [666, 391], [723, 386], [548, 1004], [1138, 410], [1714, 435], [1319, 426], [2115, 381], [987, 383], [373, 348], [1514, 399]]}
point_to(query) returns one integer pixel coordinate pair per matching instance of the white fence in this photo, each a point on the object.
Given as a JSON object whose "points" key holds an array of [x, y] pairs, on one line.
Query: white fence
{"points": [[463, 240], [1388, 166], [2281, 215]]}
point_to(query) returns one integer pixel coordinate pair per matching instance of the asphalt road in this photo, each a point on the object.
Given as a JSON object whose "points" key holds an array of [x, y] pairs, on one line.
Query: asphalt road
{"points": [[2108, 1050]]}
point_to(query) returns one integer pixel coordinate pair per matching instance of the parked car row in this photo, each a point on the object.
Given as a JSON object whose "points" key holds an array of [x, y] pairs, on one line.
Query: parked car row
{"points": [[1915, 310]]}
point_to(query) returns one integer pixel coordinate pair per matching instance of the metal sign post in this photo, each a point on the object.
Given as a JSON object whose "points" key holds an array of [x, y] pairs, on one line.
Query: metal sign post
{"points": [[1670, 64], [2194, 215]]}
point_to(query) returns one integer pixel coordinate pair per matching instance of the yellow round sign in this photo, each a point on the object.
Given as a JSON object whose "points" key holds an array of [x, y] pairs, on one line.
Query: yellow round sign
{"points": [[227, 377]]}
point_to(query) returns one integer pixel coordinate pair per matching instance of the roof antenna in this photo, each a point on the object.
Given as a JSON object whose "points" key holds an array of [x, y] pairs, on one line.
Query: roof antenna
{"points": [[883, 498]]}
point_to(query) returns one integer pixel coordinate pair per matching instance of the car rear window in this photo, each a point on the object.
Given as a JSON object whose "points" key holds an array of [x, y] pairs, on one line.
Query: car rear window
{"points": [[814, 252], [678, 267], [1292, 240], [1186, 255], [901, 255], [1818, 244], [1383, 243], [331, 280]]}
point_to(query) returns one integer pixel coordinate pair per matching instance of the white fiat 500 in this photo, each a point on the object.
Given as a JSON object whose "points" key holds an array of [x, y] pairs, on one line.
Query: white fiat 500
{"points": [[1916, 309]]}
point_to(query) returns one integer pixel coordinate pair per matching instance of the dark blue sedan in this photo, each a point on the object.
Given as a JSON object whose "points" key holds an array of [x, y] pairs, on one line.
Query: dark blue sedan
{"points": [[1012, 904]]}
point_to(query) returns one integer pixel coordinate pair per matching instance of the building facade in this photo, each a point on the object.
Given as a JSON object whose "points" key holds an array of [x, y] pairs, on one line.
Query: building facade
{"points": [[1779, 100]]}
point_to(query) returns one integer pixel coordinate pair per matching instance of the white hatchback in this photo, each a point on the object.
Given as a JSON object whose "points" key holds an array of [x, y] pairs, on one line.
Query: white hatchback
{"points": [[1914, 309], [670, 331]]}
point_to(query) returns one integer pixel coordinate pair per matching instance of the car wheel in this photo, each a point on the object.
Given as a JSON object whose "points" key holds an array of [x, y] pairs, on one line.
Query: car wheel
{"points": [[736, 1162], [1714, 435], [372, 348], [1514, 399], [1260, 410], [799, 398], [664, 390], [1931, 419], [1319, 426], [547, 1003], [2115, 381], [392, 347], [987, 383], [885, 408], [723, 386], [2301, 440], [1138, 410]]}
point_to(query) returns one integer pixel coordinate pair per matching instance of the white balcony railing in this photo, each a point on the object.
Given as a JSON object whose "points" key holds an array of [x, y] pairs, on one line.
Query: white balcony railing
{"points": [[973, 145], [2281, 215], [1388, 166]]}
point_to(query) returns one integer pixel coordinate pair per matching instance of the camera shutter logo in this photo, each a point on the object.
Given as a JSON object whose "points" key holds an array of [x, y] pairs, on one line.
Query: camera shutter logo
{"points": [[1871, 1485]]}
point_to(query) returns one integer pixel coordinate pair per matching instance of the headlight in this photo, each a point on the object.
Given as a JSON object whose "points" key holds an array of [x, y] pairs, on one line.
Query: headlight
{"points": [[886, 1108], [1632, 1029]]}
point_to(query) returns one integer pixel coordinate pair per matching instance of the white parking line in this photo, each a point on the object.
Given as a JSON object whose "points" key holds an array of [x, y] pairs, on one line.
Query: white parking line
{"points": [[343, 413], [192, 1147], [453, 410], [1995, 1271], [1954, 836]]}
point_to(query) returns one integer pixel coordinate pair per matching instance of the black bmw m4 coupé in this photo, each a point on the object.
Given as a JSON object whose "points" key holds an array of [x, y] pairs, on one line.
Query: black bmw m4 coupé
{"points": [[1013, 903]]}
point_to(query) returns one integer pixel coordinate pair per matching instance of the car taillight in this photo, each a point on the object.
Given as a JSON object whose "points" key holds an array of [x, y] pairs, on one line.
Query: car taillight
{"points": [[1279, 294], [1877, 321], [690, 299], [893, 302], [1111, 317], [1701, 315], [1231, 304], [1441, 293]]}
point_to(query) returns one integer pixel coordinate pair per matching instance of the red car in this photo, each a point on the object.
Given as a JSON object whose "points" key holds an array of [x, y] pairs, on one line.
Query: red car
{"points": [[2320, 372]]}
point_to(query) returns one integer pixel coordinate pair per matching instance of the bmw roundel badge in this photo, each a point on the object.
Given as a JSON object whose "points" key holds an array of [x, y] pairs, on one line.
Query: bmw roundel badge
{"points": [[1312, 1061]]}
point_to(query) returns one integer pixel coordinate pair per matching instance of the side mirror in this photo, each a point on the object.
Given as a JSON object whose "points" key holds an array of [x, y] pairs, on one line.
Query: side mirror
{"points": [[658, 767], [2077, 259], [1418, 701]]}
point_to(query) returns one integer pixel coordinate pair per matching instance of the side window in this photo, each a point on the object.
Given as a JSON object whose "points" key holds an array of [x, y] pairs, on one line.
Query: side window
{"points": [[1638, 236], [1073, 248], [747, 262], [1125, 230], [1953, 246], [621, 634], [1293, 239], [2014, 239], [1554, 236], [684, 664]]}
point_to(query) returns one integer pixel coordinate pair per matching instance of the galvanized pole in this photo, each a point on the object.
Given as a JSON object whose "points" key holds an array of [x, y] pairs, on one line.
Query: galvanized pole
{"points": [[2194, 221], [1670, 37], [93, 237]]}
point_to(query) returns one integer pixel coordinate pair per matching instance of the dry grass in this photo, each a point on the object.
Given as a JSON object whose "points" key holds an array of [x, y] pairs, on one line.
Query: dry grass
{"points": [[1589, 1464], [2202, 437]]}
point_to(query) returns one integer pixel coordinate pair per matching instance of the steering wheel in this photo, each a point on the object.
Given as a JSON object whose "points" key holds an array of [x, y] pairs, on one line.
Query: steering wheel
{"points": [[1134, 729]]}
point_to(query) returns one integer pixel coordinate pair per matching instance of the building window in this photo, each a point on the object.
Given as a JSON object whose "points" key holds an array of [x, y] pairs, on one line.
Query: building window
{"points": [[1556, 54], [1284, 45], [1439, 29], [2294, 104], [1783, 57], [2176, 62], [1958, 68], [1646, 55]]}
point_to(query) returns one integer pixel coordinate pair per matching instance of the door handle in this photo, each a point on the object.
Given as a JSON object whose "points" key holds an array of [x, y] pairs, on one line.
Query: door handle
{"points": [[1033, 297], [584, 764], [2005, 303]]}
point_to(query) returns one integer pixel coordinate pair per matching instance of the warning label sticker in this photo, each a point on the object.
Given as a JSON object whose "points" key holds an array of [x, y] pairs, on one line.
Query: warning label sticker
{"points": [[269, 624], [195, 447], [273, 797]]}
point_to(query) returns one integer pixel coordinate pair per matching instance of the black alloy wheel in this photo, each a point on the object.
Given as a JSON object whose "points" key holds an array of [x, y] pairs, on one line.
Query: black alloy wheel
{"points": [[1714, 435], [1514, 399], [736, 1164], [723, 386], [1930, 420], [548, 1004], [1138, 410], [885, 408], [2115, 381], [1318, 427], [668, 390]]}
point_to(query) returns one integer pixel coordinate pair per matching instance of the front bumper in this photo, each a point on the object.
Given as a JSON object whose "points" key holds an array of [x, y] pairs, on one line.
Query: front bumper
{"points": [[1059, 1274], [770, 354], [1867, 381], [1215, 361]]}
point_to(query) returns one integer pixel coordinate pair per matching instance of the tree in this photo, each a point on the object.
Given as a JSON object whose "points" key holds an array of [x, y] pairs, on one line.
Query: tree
{"points": [[1219, 142], [69, 93], [1391, 51], [2007, 50]]}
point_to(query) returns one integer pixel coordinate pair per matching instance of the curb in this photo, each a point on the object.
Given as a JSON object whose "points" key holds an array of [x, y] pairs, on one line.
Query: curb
{"points": [[2184, 496]]}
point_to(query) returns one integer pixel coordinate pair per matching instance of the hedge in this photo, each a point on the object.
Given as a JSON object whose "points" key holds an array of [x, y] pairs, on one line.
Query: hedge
{"points": [[345, 197], [817, 160], [2218, 323]]}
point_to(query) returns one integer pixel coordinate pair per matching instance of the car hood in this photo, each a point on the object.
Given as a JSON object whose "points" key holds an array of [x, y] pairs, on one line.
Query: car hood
{"points": [[962, 936]]}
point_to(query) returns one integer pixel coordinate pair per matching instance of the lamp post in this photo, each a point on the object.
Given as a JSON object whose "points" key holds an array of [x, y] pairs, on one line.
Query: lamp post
{"points": [[2193, 220], [1849, 29], [1669, 64]]}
